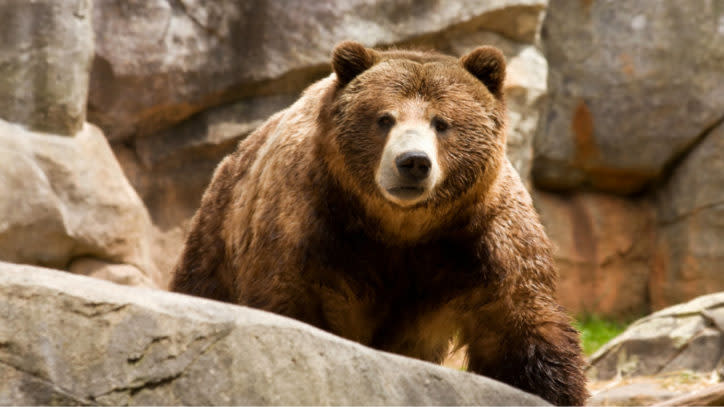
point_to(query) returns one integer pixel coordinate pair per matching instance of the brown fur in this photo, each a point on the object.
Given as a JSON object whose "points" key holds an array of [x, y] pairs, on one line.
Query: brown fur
{"points": [[293, 223]]}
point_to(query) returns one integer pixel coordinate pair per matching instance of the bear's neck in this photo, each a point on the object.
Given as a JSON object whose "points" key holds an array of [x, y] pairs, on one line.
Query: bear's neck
{"points": [[346, 214]]}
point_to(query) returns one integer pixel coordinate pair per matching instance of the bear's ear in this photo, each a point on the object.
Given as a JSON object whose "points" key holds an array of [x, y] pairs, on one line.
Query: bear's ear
{"points": [[488, 65], [350, 59]]}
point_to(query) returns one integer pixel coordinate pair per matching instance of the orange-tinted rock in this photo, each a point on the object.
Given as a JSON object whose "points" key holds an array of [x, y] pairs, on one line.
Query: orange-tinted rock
{"points": [[602, 250], [631, 86]]}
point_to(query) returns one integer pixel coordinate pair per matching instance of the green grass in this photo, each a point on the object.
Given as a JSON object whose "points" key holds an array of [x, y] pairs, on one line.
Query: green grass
{"points": [[596, 331]]}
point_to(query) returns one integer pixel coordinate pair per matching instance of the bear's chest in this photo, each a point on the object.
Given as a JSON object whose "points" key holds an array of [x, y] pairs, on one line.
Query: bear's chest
{"points": [[390, 297], [430, 273]]}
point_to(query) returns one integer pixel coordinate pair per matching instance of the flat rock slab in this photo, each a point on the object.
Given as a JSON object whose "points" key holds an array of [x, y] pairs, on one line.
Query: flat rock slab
{"points": [[662, 389], [634, 394], [68, 339]]}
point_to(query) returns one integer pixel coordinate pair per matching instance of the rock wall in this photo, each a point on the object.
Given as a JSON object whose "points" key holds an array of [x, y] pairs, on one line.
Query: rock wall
{"points": [[615, 123], [633, 115], [632, 86]]}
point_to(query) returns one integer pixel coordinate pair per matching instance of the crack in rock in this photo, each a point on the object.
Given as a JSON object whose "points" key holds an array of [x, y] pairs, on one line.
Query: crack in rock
{"points": [[715, 321], [137, 386], [61, 391], [136, 358], [93, 309], [683, 216]]}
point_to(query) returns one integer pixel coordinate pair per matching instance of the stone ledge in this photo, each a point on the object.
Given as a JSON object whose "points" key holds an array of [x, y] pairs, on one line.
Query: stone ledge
{"points": [[68, 339]]}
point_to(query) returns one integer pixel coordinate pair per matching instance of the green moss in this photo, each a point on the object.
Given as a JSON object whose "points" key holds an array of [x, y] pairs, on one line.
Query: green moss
{"points": [[596, 331]]}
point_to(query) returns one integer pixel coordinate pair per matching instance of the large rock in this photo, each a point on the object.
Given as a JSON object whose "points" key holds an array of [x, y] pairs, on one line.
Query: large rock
{"points": [[688, 336], [45, 58], [66, 339], [690, 246], [66, 197], [159, 61], [602, 248], [632, 85]]}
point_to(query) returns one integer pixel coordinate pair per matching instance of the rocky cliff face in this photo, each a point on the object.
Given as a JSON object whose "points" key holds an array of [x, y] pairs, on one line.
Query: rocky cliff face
{"points": [[634, 113], [615, 122]]}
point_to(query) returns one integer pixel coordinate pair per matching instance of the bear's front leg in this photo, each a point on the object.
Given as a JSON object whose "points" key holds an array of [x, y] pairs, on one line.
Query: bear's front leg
{"points": [[536, 350], [518, 334]]}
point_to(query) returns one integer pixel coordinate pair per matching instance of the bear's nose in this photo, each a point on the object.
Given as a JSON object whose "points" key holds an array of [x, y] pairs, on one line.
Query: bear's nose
{"points": [[413, 165]]}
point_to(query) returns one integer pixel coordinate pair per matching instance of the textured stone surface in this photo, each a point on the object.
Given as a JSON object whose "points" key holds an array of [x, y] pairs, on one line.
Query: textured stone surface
{"points": [[159, 61], [710, 396], [677, 388], [602, 247], [631, 84], [669, 389], [65, 197], [173, 167], [67, 339], [686, 336], [124, 274], [690, 246], [633, 394], [45, 56]]}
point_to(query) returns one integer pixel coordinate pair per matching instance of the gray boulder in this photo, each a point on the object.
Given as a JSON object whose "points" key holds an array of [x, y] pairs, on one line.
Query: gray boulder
{"points": [[67, 339], [687, 336], [632, 85], [45, 58]]}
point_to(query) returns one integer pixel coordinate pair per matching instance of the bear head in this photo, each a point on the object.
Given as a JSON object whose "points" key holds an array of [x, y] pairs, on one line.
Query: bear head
{"points": [[415, 132]]}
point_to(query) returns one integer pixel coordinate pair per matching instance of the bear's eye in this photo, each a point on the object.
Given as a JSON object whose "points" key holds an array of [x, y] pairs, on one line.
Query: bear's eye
{"points": [[439, 124], [386, 121]]}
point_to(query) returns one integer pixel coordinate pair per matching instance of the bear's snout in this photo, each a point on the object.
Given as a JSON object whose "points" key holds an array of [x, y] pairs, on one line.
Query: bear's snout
{"points": [[413, 166], [408, 171]]}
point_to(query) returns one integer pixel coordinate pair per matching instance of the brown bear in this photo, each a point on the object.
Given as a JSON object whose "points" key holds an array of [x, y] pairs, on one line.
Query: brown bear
{"points": [[381, 207]]}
